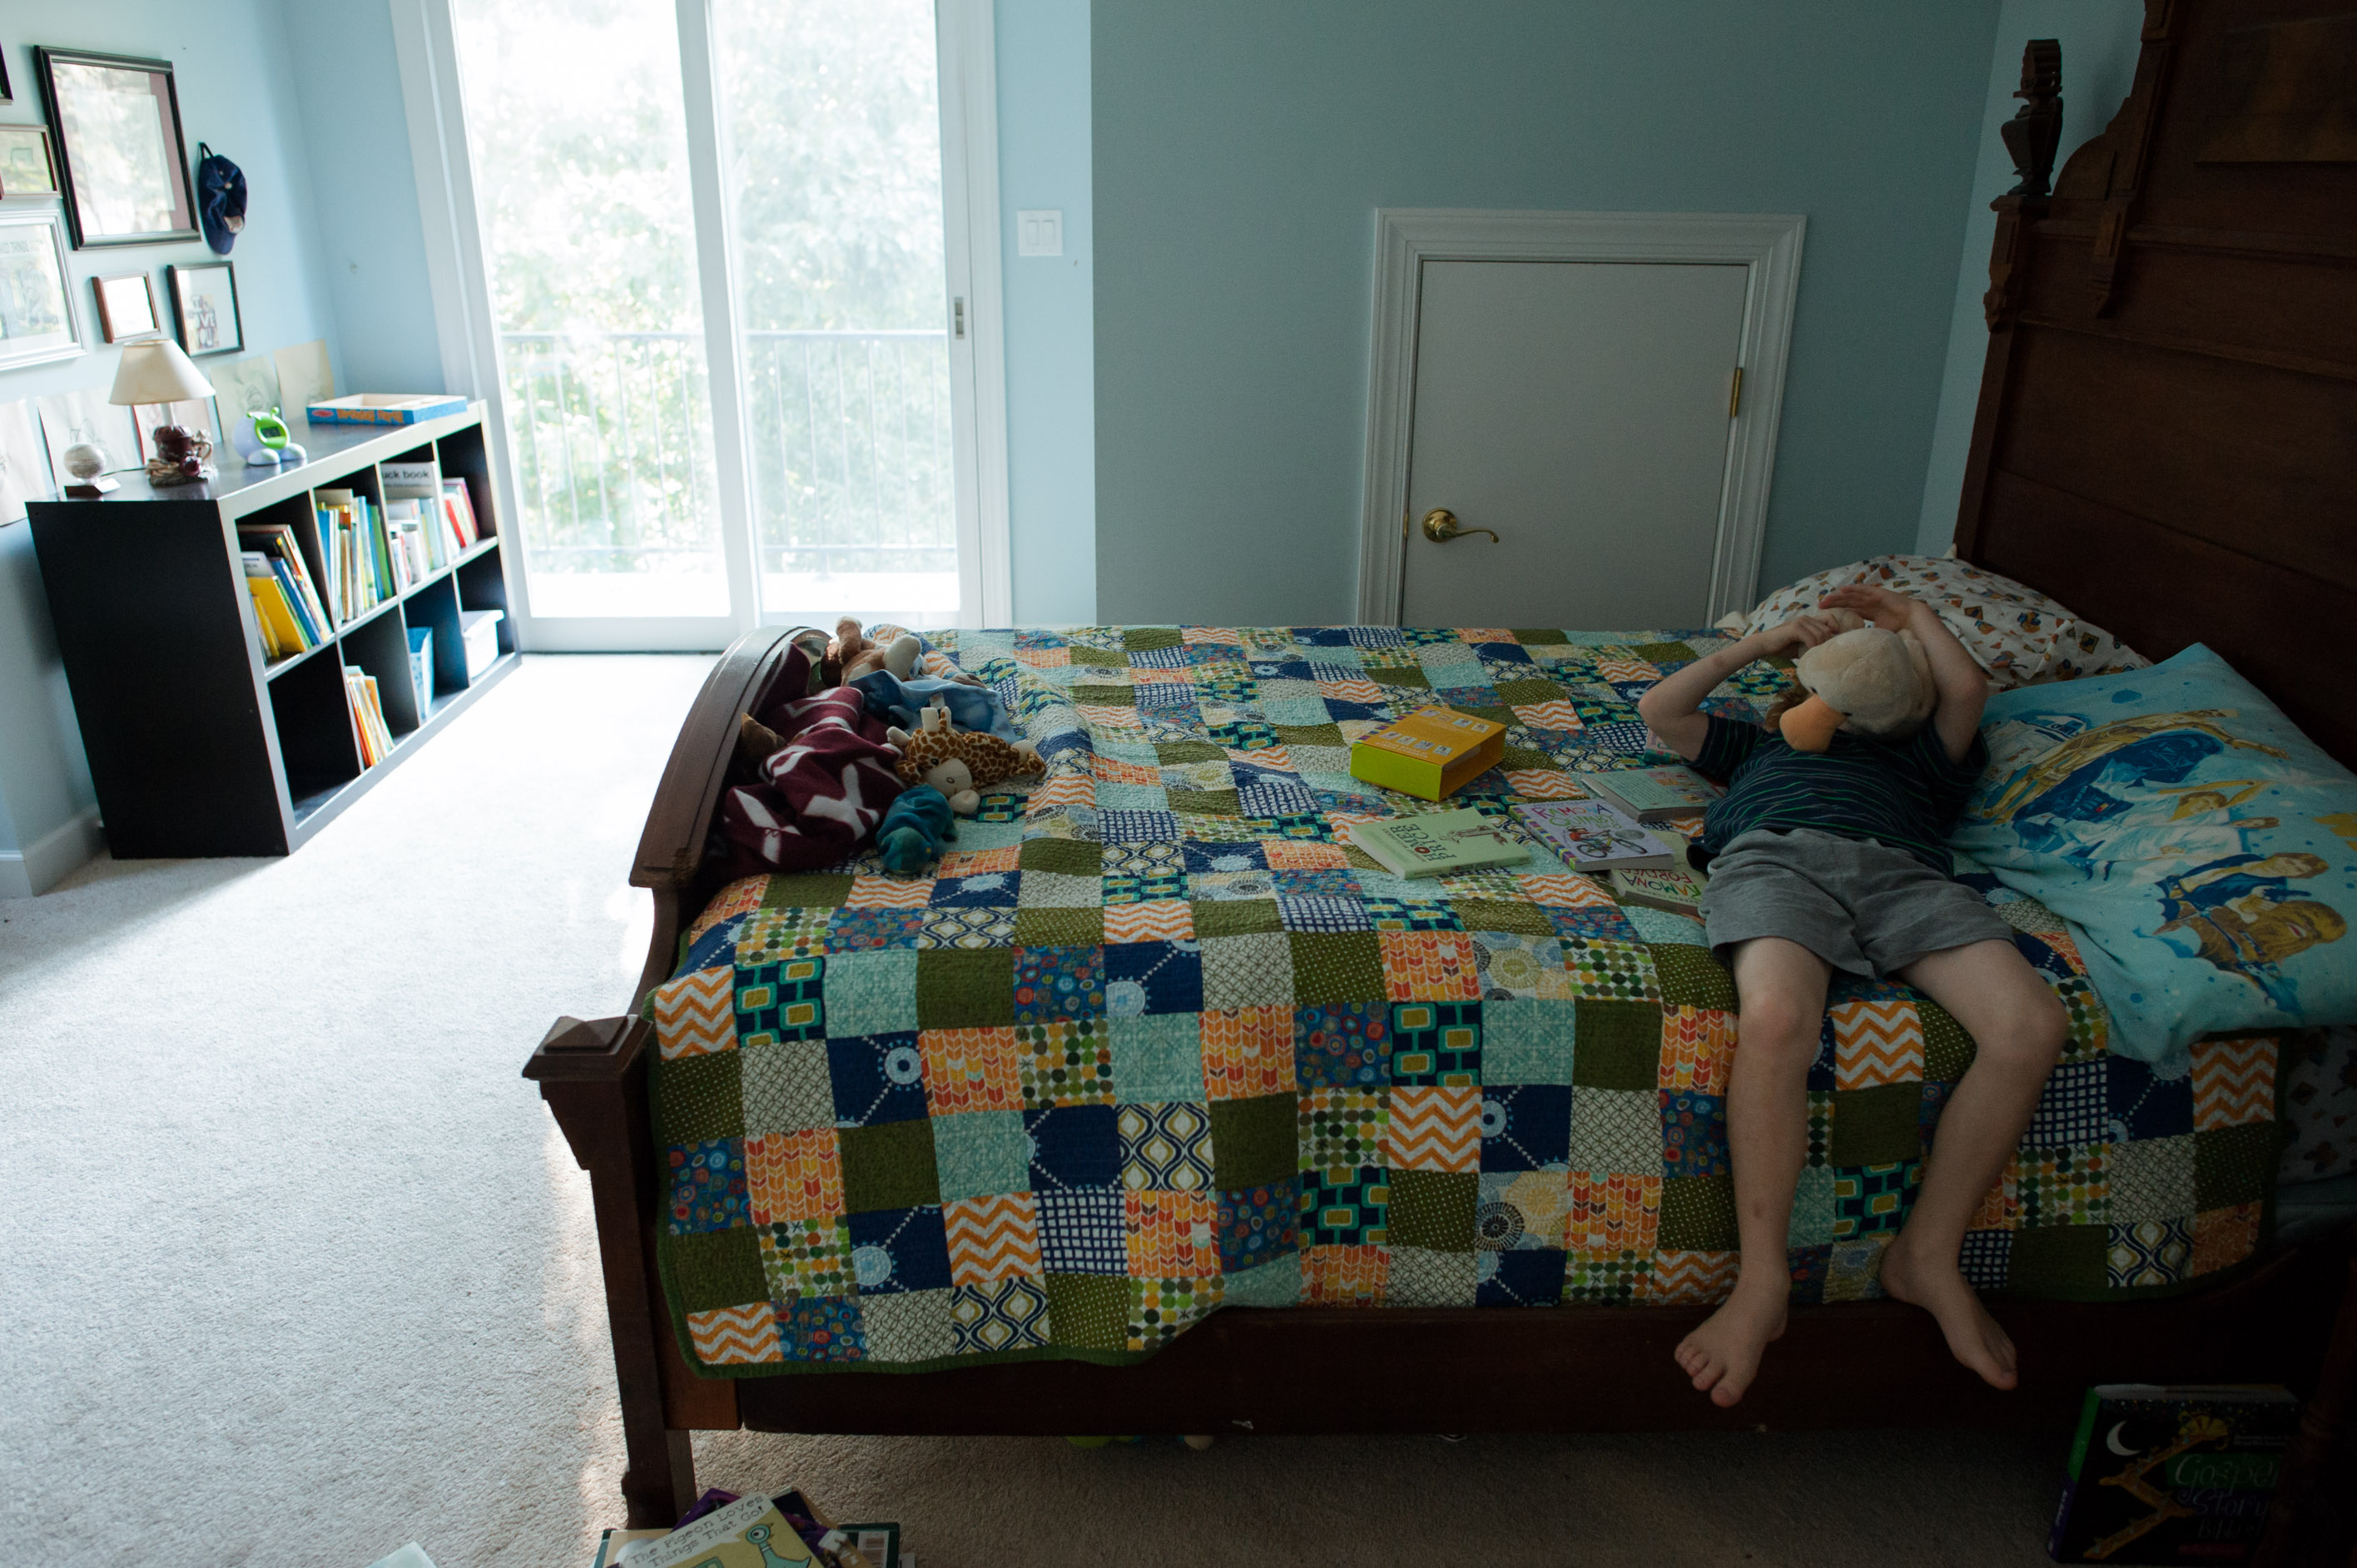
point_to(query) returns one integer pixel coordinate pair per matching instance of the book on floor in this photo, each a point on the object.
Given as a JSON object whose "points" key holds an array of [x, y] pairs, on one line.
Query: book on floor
{"points": [[751, 1533], [1596, 835], [1431, 753], [611, 1543], [877, 1544], [1651, 794], [2164, 1473], [1677, 889], [1437, 844]]}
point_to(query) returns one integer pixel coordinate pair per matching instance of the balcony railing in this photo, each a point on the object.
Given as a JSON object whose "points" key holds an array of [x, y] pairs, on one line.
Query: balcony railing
{"points": [[850, 448]]}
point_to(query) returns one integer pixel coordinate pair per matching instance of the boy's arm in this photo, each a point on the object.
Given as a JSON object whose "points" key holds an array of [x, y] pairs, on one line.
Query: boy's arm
{"points": [[1963, 690], [1671, 709]]}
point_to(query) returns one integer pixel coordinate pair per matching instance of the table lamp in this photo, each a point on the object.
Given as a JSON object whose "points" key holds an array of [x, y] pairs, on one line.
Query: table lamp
{"points": [[156, 372]]}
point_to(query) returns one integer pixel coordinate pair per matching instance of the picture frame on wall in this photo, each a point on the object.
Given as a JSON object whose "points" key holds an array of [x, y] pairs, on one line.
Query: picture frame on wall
{"points": [[122, 161], [36, 312], [204, 309], [127, 307], [28, 167]]}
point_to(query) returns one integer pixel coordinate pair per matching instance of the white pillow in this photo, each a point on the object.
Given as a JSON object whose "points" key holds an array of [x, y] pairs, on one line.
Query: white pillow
{"points": [[2018, 635]]}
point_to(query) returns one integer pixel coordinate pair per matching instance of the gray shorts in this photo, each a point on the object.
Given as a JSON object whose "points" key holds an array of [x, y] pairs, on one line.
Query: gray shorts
{"points": [[1860, 905]]}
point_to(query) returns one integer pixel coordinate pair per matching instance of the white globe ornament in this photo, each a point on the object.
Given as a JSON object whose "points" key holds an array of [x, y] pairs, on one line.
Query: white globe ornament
{"points": [[85, 460]]}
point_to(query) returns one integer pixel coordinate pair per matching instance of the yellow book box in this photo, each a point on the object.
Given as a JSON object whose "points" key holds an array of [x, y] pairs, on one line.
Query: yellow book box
{"points": [[1430, 754]]}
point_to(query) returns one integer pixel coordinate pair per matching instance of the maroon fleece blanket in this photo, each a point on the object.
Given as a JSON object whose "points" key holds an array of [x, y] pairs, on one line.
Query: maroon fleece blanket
{"points": [[820, 796]]}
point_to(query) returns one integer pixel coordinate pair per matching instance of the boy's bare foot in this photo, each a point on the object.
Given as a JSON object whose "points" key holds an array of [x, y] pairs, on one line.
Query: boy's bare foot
{"points": [[1938, 1287], [1723, 1355]]}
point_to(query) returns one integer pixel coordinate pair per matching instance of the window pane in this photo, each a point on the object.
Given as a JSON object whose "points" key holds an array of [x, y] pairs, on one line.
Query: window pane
{"points": [[830, 113], [580, 157]]}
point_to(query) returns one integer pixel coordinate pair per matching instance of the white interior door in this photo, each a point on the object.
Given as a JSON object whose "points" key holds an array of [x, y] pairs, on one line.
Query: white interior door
{"points": [[1582, 412]]}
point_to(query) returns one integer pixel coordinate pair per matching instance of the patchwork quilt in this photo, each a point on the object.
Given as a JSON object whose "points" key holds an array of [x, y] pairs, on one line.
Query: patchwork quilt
{"points": [[1154, 1039]]}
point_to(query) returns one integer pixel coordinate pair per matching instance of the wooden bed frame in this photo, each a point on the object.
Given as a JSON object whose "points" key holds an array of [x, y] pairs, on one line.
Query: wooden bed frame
{"points": [[2166, 441]]}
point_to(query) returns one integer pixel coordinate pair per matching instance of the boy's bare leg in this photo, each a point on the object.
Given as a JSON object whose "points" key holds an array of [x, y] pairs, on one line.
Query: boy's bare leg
{"points": [[2017, 1026], [1781, 987]]}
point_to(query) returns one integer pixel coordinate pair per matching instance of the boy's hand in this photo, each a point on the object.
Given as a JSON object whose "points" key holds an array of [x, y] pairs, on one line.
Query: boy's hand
{"points": [[1795, 637], [1885, 608]]}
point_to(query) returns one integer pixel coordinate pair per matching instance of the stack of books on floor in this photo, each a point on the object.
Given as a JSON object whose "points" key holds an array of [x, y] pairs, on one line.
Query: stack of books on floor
{"points": [[368, 715], [286, 607], [774, 1530]]}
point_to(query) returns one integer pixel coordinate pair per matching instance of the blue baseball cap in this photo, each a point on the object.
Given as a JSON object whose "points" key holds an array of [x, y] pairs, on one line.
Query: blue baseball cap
{"points": [[221, 186]]}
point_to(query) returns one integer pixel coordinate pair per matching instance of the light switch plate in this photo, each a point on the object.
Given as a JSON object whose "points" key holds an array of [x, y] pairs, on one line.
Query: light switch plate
{"points": [[1040, 232]]}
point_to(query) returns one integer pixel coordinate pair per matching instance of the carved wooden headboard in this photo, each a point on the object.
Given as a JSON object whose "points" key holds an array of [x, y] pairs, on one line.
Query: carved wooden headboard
{"points": [[2167, 434]]}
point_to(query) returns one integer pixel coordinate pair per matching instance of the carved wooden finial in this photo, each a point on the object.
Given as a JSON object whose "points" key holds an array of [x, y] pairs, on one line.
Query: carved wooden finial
{"points": [[2035, 129]]}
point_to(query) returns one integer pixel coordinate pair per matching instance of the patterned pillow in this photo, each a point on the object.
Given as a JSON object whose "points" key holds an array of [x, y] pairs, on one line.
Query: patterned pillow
{"points": [[2019, 635], [2203, 849]]}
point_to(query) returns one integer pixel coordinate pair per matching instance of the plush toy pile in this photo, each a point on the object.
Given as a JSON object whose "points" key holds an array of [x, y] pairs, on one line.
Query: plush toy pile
{"points": [[827, 768]]}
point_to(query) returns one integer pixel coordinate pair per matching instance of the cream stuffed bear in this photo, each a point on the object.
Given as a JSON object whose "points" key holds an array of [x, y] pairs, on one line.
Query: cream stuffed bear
{"points": [[1870, 681]]}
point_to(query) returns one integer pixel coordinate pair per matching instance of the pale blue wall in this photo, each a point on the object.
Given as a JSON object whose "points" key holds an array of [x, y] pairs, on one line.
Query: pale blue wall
{"points": [[373, 245], [2099, 55], [1242, 148], [1043, 161], [235, 77]]}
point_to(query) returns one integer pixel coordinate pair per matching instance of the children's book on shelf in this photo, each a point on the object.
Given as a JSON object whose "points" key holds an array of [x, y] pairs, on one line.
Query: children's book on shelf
{"points": [[460, 509], [359, 562], [413, 493], [276, 543], [1651, 794], [1431, 753], [2182, 1474], [1596, 835], [1437, 844], [368, 715], [383, 408], [1675, 889], [421, 666], [276, 616]]}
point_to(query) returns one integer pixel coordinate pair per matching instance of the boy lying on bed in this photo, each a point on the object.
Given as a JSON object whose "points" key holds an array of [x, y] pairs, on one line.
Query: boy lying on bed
{"points": [[1834, 860]]}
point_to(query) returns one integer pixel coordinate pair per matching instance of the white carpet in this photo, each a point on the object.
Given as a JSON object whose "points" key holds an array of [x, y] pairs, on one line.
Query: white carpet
{"points": [[295, 1268]]}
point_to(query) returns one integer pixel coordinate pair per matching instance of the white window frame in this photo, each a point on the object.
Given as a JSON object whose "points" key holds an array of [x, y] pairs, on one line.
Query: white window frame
{"points": [[458, 275], [1766, 243]]}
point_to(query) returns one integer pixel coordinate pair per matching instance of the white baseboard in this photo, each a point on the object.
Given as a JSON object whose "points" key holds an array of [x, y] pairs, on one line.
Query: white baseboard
{"points": [[39, 865]]}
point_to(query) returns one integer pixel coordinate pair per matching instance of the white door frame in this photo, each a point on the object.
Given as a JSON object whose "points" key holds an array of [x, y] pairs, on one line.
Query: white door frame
{"points": [[458, 275], [969, 105], [1768, 244]]}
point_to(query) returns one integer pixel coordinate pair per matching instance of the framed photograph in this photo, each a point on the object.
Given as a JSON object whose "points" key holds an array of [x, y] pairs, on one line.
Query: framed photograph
{"points": [[36, 316], [27, 168], [204, 304], [127, 307], [123, 164]]}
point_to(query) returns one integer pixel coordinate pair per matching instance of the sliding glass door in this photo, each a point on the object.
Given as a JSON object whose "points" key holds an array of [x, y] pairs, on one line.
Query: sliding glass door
{"points": [[580, 152], [726, 250], [830, 112]]}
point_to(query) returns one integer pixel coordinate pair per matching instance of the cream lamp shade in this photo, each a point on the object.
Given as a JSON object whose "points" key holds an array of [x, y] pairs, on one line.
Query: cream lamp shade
{"points": [[156, 372]]}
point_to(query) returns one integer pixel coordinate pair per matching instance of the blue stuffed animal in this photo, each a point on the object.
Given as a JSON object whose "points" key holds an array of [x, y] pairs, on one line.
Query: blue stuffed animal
{"points": [[911, 833]]}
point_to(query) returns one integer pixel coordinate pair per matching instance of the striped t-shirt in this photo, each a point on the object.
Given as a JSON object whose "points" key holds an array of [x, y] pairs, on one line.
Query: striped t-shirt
{"points": [[1906, 794]]}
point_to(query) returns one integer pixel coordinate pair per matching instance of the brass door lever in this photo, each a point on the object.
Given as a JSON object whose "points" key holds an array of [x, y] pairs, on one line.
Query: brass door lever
{"points": [[1440, 526]]}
